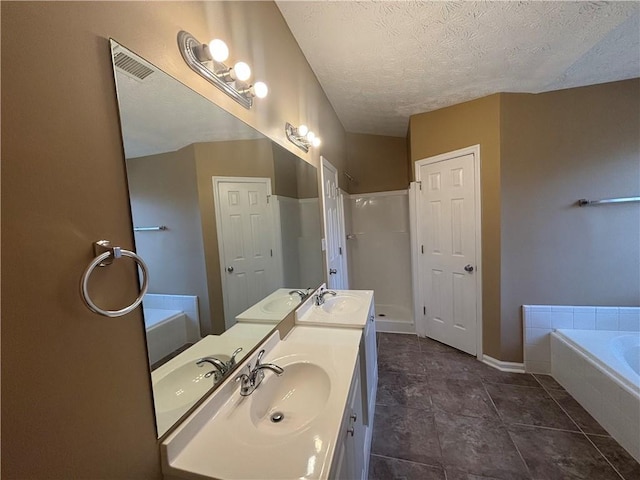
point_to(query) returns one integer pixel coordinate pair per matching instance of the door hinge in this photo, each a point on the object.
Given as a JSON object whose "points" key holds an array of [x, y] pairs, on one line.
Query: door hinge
{"points": [[271, 252], [268, 198], [422, 249], [340, 250], [424, 310], [419, 185]]}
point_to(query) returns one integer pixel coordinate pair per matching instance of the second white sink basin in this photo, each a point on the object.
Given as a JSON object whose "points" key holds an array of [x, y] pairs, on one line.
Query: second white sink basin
{"points": [[283, 304], [342, 304], [285, 404]]}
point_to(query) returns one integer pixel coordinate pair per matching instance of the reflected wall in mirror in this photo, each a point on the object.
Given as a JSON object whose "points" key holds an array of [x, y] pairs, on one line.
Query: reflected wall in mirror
{"points": [[227, 221]]}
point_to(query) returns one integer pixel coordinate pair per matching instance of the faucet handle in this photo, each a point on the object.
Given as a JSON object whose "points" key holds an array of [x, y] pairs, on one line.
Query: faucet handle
{"points": [[259, 359], [232, 360]]}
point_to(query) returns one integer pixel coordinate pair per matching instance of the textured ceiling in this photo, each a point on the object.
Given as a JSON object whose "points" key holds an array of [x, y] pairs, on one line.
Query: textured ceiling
{"points": [[380, 62]]}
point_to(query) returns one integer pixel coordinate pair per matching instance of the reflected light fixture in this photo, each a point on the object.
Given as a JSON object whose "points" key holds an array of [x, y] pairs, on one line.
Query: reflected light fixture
{"points": [[301, 137], [207, 61]]}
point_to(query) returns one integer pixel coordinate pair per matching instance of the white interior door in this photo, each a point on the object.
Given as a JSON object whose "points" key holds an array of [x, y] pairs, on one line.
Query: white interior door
{"points": [[245, 241], [330, 206], [448, 236]]}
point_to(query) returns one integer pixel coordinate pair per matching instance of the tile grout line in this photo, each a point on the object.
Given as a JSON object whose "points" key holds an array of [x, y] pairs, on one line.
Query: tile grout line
{"points": [[405, 460], [604, 456], [579, 427], [507, 430]]}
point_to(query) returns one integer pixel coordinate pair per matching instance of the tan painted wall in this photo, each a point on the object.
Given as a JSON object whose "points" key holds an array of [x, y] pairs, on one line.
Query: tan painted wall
{"points": [[63, 187], [378, 163], [559, 147], [163, 192], [540, 154], [452, 128], [242, 158]]}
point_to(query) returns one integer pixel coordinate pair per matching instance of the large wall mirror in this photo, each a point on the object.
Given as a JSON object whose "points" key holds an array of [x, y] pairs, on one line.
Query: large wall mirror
{"points": [[228, 223]]}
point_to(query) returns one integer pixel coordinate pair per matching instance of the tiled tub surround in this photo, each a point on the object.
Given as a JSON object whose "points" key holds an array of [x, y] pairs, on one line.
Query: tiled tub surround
{"points": [[603, 378], [441, 414], [541, 320]]}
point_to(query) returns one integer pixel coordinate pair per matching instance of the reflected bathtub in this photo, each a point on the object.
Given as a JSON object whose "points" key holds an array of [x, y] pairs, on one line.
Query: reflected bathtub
{"points": [[166, 332]]}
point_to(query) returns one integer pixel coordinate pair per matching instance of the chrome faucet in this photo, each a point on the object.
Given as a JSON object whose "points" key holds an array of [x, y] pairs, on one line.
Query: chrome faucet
{"points": [[302, 293], [221, 368], [219, 365], [319, 297], [250, 381]]}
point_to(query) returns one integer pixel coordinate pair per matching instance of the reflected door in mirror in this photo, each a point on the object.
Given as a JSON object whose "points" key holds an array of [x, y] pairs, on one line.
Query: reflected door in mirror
{"points": [[246, 242]]}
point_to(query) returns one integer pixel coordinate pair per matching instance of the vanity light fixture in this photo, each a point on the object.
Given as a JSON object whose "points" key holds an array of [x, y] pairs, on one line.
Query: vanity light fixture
{"points": [[301, 137], [207, 61]]}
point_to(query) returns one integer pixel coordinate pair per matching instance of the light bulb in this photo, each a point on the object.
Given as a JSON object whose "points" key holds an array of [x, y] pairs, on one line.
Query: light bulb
{"points": [[219, 50], [311, 136], [303, 130], [241, 71], [260, 89], [316, 142]]}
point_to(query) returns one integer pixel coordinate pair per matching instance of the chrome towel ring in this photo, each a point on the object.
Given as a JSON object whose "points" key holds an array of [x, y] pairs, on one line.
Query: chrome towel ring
{"points": [[106, 254]]}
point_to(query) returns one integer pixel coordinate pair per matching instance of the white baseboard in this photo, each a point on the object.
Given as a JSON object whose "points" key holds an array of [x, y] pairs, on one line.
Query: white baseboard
{"points": [[512, 367]]}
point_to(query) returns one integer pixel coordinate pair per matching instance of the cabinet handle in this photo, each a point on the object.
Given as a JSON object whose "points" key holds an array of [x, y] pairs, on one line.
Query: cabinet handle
{"points": [[351, 431], [354, 417]]}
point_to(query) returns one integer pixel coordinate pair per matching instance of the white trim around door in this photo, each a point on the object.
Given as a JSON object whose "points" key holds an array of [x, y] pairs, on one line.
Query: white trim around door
{"points": [[418, 287]]}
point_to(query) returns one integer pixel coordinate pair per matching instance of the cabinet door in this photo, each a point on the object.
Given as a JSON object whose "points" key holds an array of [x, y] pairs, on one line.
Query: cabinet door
{"points": [[369, 359], [372, 352], [348, 461], [358, 436], [343, 467]]}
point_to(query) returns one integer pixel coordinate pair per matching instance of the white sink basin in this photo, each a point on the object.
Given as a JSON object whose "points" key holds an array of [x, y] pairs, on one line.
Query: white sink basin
{"points": [[184, 385], [348, 308], [342, 304], [283, 304], [272, 308], [294, 399], [232, 437]]}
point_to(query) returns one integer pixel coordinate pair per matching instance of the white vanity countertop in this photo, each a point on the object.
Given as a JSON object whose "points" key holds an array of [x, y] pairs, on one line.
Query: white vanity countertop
{"points": [[272, 308], [350, 308], [230, 437]]}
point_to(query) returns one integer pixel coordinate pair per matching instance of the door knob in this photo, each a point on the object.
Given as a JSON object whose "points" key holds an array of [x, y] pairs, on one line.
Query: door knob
{"points": [[332, 271], [468, 268], [229, 269]]}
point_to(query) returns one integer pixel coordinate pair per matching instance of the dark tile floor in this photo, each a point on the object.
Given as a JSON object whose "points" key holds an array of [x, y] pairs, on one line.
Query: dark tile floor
{"points": [[441, 414]]}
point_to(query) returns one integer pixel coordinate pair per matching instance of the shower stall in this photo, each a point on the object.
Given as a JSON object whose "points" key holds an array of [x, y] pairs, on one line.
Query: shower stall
{"points": [[379, 254]]}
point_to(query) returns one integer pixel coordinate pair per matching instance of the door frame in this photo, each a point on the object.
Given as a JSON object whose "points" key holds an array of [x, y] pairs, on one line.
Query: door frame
{"points": [[216, 181], [326, 163], [418, 292], [342, 226]]}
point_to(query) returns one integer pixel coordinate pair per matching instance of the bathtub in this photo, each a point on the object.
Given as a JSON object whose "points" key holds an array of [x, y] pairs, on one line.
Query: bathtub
{"points": [[166, 332], [601, 370]]}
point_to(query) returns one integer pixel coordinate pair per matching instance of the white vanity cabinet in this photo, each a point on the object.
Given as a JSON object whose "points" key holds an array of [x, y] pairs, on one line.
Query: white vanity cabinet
{"points": [[369, 365], [350, 461]]}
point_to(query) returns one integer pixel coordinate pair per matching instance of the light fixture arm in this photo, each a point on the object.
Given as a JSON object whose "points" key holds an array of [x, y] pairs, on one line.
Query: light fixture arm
{"points": [[293, 136], [192, 50]]}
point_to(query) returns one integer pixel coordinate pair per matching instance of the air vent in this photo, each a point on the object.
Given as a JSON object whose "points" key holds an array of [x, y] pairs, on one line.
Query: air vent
{"points": [[131, 66]]}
